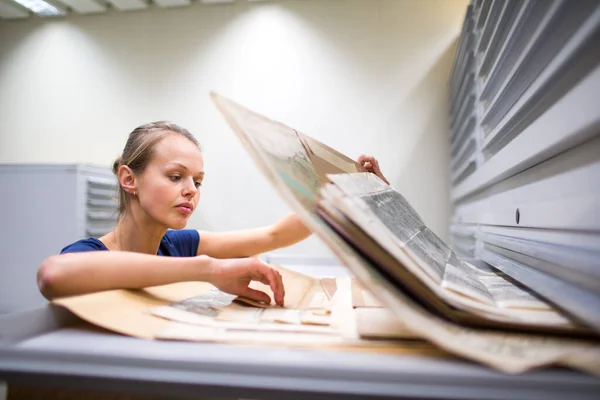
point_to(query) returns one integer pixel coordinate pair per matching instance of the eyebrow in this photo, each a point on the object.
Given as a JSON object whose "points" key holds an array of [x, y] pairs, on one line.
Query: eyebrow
{"points": [[184, 167]]}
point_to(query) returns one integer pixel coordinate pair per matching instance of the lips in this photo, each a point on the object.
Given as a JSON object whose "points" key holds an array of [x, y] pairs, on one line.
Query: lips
{"points": [[185, 208]]}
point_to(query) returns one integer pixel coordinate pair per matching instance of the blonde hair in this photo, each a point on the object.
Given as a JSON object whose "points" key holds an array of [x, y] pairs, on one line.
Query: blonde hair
{"points": [[139, 150]]}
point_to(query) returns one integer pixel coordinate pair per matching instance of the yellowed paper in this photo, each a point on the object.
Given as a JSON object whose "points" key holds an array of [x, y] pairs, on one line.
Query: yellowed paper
{"points": [[444, 280], [309, 318], [247, 320], [298, 288], [381, 323], [342, 315], [128, 311], [338, 160], [319, 301]]}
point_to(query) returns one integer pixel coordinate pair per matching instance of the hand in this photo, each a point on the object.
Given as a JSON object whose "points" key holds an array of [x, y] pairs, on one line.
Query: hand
{"points": [[370, 164], [233, 275]]}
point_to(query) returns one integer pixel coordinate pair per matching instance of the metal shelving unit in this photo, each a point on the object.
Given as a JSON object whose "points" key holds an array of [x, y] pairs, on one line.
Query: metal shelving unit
{"points": [[525, 146]]}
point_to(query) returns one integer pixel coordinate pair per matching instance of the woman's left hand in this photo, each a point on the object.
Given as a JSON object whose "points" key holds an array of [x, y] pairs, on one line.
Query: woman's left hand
{"points": [[370, 164]]}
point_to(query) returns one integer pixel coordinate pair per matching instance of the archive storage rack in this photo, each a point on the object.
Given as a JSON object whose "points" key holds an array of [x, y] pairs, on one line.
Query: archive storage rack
{"points": [[43, 208], [525, 146]]}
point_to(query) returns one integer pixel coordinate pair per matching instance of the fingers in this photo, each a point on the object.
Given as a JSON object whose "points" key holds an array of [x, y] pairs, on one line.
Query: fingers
{"points": [[375, 164], [369, 162], [255, 295], [276, 284], [362, 159], [270, 276]]}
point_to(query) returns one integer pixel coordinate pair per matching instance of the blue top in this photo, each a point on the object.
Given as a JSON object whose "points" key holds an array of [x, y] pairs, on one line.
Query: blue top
{"points": [[175, 243]]}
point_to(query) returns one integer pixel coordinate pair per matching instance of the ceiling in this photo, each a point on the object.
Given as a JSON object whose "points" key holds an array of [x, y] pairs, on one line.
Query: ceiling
{"points": [[19, 9]]}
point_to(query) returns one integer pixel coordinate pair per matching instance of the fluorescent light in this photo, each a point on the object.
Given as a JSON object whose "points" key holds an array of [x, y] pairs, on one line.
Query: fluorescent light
{"points": [[84, 6], [172, 3], [126, 5], [40, 7]]}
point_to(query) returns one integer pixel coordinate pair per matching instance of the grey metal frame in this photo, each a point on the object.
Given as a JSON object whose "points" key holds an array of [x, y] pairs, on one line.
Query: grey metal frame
{"points": [[527, 197]]}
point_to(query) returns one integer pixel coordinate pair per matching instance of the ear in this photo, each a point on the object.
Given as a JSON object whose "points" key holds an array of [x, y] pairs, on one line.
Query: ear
{"points": [[126, 179]]}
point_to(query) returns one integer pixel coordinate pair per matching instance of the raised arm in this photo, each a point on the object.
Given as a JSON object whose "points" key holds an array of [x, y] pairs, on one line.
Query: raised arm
{"points": [[249, 242], [79, 273]]}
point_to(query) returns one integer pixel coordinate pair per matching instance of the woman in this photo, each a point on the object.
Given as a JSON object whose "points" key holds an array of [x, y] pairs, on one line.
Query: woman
{"points": [[160, 173]]}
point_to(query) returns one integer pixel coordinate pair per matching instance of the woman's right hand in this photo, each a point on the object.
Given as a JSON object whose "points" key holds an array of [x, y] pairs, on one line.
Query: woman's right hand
{"points": [[233, 275]]}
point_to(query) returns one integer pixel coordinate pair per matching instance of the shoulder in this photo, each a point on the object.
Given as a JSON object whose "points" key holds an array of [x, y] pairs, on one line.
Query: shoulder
{"points": [[90, 244], [180, 243]]}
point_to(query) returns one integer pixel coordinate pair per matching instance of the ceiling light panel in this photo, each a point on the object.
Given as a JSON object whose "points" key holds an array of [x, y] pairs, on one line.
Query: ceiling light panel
{"points": [[40, 7], [85, 6], [172, 3], [217, 1], [125, 5], [10, 11]]}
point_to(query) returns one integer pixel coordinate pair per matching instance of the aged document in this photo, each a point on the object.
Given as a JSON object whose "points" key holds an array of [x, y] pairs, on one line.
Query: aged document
{"points": [[383, 213], [339, 329], [301, 291], [391, 228], [506, 351], [377, 323], [214, 308]]}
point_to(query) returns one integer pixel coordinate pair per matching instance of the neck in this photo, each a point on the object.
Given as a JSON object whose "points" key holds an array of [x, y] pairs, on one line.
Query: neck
{"points": [[136, 234]]}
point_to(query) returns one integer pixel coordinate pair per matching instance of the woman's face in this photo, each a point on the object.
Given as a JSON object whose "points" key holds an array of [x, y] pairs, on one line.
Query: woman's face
{"points": [[169, 187]]}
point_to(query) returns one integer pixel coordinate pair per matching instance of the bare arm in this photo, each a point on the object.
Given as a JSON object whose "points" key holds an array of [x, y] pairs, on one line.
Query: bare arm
{"points": [[249, 242], [79, 273]]}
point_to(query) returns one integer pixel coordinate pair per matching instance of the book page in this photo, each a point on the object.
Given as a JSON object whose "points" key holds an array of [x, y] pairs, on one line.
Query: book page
{"points": [[339, 161], [456, 282], [381, 323], [283, 158], [335, 201], [298, 289], [464, 279], [430, 252], [510, 294]]}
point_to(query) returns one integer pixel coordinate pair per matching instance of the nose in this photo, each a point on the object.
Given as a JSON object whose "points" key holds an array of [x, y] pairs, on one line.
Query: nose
{"points": [[190, 189]]}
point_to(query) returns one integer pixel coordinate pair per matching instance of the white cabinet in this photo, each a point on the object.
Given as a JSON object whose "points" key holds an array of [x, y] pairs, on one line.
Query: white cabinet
{"points": [[42, 209]]}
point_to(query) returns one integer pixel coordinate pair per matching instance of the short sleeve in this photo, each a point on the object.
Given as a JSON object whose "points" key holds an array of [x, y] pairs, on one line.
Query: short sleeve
{"points": [[84, 245], [180, 243]]}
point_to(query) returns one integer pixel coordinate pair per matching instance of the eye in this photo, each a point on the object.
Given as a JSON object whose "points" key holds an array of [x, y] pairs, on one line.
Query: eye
{"points": [[175, 178], [198, 184]]}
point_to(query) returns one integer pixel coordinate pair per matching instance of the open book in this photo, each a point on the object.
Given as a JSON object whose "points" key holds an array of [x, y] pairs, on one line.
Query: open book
{"points": [[385, 229], [336, 198], [433, 294]]}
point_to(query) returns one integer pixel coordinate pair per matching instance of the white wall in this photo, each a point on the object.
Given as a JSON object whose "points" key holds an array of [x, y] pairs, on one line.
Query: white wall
{"points": [[362, 76]]}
